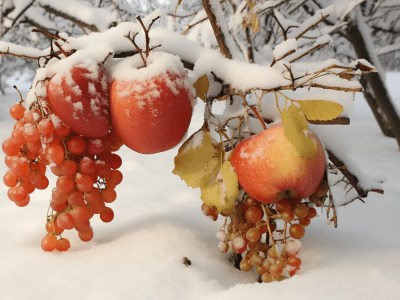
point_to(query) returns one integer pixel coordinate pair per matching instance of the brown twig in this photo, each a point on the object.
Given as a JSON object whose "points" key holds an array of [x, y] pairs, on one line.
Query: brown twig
{"points": [[219, 35], [138, 49], [146, 32], [48, 34], [257, 114], [66, 54], [353, 180], [193, 25], [21, 99]]}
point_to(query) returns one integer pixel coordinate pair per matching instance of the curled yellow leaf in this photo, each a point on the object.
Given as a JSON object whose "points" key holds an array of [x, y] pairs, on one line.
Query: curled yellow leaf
{"points": [[223, 190], [201, 86], [322, 110], [198, 160], [296, 130]]}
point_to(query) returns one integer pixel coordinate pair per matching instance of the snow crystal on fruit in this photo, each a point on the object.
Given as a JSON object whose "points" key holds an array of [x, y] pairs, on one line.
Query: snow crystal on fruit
{"points": [[78, 106], [94, 106], [56, 120], [238, 242], [92, 88], [293, 247]]}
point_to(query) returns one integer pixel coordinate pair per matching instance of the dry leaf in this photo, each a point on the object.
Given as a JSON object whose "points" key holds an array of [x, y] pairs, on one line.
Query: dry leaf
{"points": [[296, 130], [201, 86], [255, 23], [322, 110], [198, 160], [223, 190]]}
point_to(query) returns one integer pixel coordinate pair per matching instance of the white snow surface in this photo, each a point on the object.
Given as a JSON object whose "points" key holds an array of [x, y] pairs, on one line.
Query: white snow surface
{"points": [[158, 222]]}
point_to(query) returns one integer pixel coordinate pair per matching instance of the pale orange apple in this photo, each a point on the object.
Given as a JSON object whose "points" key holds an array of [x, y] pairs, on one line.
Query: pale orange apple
{"points": [[270, 169]]}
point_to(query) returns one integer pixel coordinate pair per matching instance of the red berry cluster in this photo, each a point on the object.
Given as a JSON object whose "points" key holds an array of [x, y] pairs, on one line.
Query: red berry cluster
{"points": [[87, 172], [266, 236]]}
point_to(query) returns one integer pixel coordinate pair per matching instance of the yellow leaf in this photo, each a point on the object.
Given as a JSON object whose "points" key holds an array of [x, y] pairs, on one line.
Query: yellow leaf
{"points": [[255, 24], [198, 160], [322, 110], [201, 86], [223, 190], [296, 130]]}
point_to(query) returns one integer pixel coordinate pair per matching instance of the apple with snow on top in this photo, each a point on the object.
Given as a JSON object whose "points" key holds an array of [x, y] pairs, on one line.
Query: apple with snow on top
{"points": [[151, 106], [270, 169], [79, 97]]}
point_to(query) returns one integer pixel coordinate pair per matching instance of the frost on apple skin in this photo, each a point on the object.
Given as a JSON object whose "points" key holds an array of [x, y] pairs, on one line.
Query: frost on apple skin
{"points": [[158, 64]]}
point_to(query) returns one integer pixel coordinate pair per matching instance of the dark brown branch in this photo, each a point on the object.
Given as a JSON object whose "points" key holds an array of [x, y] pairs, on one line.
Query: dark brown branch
{"points": [[193, 25], [27, 56], [219, 35], [250, 52], [22, 12], [319, 46], [138, 50], [353, 180], [322, 19], [146, 32], [282, 57]]}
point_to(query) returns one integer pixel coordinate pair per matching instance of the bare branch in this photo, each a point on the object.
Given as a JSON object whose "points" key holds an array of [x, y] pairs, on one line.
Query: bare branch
{"points": [[219, 35]]}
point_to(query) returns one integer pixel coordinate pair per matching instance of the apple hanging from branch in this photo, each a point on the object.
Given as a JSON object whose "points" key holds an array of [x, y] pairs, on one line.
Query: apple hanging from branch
{"points": [[151, 106], [79, 97], [269, 167]]}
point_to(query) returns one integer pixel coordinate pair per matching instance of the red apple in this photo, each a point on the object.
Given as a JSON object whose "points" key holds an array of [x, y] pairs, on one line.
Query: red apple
{"points": [[152, 113], [79, 97], [269, 168]]}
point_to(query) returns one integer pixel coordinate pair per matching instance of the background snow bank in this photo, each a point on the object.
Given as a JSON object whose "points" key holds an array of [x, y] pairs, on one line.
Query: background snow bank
{"points": [[158, 221]]}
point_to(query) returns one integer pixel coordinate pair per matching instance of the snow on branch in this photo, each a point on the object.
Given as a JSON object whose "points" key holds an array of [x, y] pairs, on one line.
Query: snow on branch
{"points": [[21, 51], [93, 18], [388, 49]]}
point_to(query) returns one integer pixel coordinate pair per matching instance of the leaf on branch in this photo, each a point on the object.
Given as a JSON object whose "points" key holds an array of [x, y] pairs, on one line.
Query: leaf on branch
{"points": [[198, 160], [201, 86], [255, 23], [296, 130], [321, 110], [223, 190], [364, 67]]}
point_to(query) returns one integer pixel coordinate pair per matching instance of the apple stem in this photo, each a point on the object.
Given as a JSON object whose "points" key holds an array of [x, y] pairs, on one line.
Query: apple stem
{"points": [[257, 114], [21, 99]]}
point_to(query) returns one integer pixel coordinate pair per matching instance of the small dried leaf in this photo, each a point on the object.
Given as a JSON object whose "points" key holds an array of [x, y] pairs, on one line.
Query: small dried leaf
{"points": [[198, 160], [255, 24], [320, 109], [201, 86], [224, 98], [363, 67], [296, 130], [347, 76], [223, 190]]}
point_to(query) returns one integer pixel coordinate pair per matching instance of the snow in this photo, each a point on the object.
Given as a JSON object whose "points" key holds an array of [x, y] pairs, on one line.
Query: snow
{"points": [[101, 18], [158, 222], [133, 68], [284, 48]]}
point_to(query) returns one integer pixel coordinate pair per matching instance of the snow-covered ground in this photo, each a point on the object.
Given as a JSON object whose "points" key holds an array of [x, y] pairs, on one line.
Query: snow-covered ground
{"points": [[158, 222]]}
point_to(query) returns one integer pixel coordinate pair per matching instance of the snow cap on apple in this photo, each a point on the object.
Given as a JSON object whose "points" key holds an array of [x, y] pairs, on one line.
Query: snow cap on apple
{"points": [[77, 93], [151, 106], [270, 169]]}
